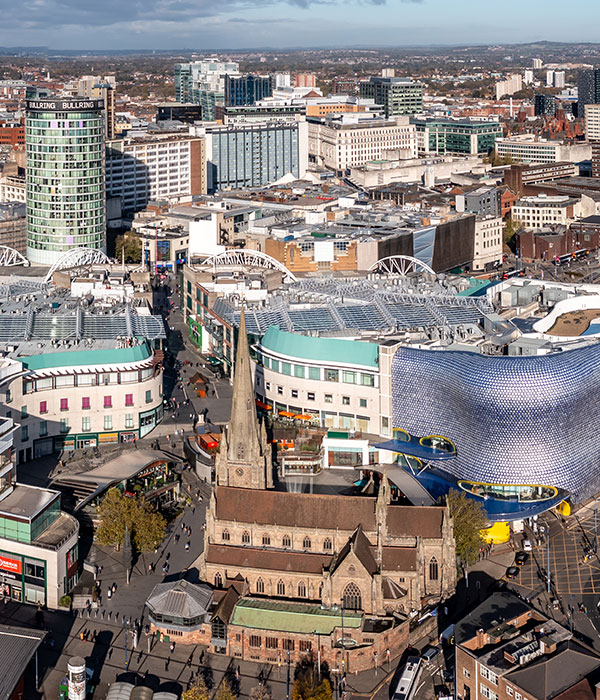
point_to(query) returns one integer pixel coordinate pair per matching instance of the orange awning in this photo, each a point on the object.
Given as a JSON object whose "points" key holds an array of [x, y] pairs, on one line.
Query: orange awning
{"points": [[303, 416], [287, 414], [264, 406]]}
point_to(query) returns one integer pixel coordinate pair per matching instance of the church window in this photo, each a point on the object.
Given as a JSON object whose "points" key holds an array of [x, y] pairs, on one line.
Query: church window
{"points": [[433, 569], [305, 647], [260, 586], [245, 537], [271, 642], [352, 599], [301, 590], [255, 640], [320, 591], [280, 587], [218, 580], [287, 542], [306, 543], [327, 545], [225, 536], [266, 540], [241, 451]]}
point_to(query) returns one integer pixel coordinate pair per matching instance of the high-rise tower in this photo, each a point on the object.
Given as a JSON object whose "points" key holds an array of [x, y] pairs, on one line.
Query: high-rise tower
{"points": [[66, 201], [244, 459]]}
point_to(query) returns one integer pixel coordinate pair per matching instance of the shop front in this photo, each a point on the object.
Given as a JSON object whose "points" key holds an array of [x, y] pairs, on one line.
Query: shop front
{"points": [[150, 419], [22, 578]]}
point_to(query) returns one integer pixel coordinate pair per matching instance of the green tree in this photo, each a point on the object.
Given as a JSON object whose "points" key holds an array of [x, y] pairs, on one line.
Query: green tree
{"points": [[469, 520], [308, 683], [510, 230], [198, 691], [117, 511], [225, 692], [131, 245]]}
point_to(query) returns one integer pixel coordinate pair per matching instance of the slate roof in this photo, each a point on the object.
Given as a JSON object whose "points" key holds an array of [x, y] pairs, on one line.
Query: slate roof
{"points": [[180, 599], [271, 559], [17, 647]]}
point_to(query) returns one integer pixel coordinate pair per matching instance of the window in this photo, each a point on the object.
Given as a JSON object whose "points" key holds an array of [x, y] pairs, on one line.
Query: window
{"points": [[301, 590], [266, 540], [8, 396], [241, 452], [23, 412], [489, 694], [43, 407], [107, 422], [129, 399], [367, 380], [280, 587], [327, 545], [286, 542], [362, 403], [85, 424], [64, 404], [299, 371], [332, 375], [108, 402], [85, 403], [260, 586], [129, 420], [254, 640], [294, 393], [43, 428], [328, 398], [225, 536], [490, 676], [517, 696], [345, 400], [64, 425], [149, 396], [352, 599], [305, 646], [466, 673], [245, 537], [271, 642], [275, 365], [310, 395], [349, 377], [218, 580], [314, 373], [433, 569], [509, 690], [288, 644], [306, 543], [280, 390], [24, 433], [286, 368]]}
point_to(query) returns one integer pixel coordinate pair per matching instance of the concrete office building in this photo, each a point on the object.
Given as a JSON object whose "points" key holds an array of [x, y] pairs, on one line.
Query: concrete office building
{"points": [[66, 198], [527, 148], [592, 133], [254, 155], [141, 169], [471, 136], [396, 95], [246, 89], [349, 141], [488, 244], [512, 84], [543, 210]]}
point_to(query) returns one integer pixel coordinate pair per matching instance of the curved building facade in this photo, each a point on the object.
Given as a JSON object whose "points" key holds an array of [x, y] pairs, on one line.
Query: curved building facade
{"points": [[66, 200], [528, 421]]}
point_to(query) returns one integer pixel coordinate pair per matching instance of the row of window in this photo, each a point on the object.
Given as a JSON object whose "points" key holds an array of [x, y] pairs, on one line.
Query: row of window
{"points": [[310, 396], [286, 541], [86, 403], [317, 373], [87, 379], [85, 425]]}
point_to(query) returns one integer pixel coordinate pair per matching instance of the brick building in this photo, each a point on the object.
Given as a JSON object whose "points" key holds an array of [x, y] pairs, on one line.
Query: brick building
{"points": [[507, 650]]}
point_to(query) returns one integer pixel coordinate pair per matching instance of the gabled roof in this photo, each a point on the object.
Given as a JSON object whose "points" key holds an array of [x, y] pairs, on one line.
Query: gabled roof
{"points": [[17, 647], [271, 559], [359, 545], [553, 674], [180, 599]]}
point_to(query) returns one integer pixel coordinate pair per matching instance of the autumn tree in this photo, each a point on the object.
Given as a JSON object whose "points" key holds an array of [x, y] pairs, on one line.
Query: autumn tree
{"points": [[117, 511], [129, 245], [469, 520], [309, 683], [225, 692], [260, 692], [198, 691]]}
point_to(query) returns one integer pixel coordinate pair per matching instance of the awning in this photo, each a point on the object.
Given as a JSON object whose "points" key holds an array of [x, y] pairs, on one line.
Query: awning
{"points": [[303, 416], [287, 414], [264, 406]]}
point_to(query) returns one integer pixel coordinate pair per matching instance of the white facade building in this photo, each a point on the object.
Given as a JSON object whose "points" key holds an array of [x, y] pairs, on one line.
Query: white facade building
{"points": [[347, 141], [488, 242], [512, 84], [527, 148], [543, 210]]}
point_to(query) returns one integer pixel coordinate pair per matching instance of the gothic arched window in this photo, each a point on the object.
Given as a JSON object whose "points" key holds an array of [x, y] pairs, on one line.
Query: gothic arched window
{"points": [[433, 569], [225, 536], [327, 545], [352, 598], [266, 540], [260, 586], [241, 451], [306, 543], [218, 580], [301, 590], [245, 537], [286, 542], [280, 587]]}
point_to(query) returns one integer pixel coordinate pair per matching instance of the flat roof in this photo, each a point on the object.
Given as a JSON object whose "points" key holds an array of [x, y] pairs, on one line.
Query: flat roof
{"points": [[73, 358], [27, 501], [298, 618]]}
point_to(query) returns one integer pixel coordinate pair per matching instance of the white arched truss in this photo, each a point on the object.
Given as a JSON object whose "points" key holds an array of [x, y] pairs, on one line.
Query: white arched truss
{"points": [[9, 257], [400, 265], [78, 257], [240, 257]]}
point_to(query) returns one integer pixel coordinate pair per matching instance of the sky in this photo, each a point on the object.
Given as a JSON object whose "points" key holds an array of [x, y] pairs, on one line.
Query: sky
{"points": [[238, 24]]}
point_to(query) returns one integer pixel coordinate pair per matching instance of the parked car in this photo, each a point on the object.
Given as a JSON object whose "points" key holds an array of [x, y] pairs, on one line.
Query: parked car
{"points": [[512, 572], [521, 558], [430, 654], [527, 546]]}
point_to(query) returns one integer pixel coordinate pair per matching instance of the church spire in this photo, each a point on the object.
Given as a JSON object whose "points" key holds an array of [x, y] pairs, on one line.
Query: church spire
{"points": [[243, 459]]}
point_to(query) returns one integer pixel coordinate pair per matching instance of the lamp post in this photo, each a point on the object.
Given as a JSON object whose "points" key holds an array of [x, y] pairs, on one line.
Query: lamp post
{"points": [[125, 623], [287, 678]]}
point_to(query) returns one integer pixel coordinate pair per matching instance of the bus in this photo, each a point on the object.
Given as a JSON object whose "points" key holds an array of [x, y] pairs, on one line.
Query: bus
{"points": [[409, 679]]}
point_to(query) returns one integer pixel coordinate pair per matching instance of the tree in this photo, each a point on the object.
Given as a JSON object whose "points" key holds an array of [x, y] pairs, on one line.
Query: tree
{"points": [[469, 520], [198, 691], [225, 692], [116, 512], [308, 683], [510, 230], [260, 692], [131, 245]]}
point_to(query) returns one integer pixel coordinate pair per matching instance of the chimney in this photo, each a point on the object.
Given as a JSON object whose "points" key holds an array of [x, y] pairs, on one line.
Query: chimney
{"points": [[481, 642]]}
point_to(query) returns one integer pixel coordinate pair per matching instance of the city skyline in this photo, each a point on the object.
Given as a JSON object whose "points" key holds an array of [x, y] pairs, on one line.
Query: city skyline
{"points": [[253, 24]]}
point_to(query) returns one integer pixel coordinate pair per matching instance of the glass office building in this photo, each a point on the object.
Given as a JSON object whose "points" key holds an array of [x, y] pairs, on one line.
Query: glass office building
{"points": [[456, 136], [246, 89], [396, 95], [66, 200]]}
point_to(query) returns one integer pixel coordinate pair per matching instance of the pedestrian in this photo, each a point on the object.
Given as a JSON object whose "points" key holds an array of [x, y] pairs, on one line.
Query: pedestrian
{"points": [[172, 647], [182, 525], [114, 588], [109, 593], [187, 546], [176, 538], [189, 531], [168, 555]]}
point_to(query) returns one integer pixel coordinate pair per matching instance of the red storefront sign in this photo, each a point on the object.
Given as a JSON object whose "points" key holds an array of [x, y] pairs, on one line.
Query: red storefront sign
{"points": [[8, 564]]}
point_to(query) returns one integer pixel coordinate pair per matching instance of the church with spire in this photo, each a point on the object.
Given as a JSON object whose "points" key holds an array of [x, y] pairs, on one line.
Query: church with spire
{"points": [[357, 553]]}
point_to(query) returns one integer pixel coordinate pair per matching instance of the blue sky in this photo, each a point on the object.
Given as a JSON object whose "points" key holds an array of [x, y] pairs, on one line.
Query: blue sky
{"points": [[218, 24]]}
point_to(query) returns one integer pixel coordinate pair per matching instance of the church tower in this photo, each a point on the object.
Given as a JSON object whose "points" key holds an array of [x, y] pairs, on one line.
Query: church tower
{"points": [[244, 458]]}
